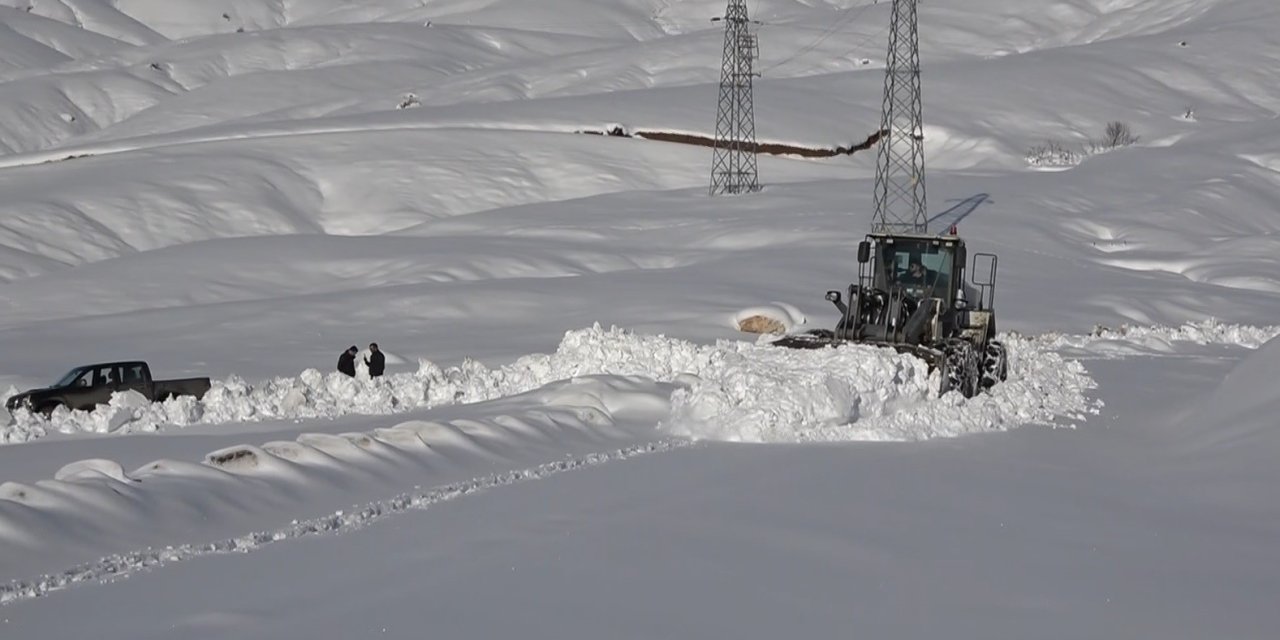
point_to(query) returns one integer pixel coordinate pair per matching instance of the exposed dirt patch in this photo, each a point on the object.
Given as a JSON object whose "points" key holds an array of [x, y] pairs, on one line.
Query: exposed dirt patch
{"points": [[234, 458], [761, 324], [773, 148], [70, 157]]}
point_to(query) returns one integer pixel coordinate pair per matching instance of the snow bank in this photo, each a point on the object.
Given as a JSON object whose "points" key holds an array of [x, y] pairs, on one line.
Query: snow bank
{"points": [[731, 390], [314, 395], [1239, 416], [1129, 340]]}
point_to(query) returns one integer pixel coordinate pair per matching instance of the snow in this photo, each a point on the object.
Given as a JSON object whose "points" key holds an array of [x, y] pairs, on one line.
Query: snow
{"points": [[1032, 532], [732, 390], [230, 189], [342, 521], [1242, 406]]}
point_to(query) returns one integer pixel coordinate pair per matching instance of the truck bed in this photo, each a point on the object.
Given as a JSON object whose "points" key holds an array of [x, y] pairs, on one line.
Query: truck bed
{"points": [[165, 389]]}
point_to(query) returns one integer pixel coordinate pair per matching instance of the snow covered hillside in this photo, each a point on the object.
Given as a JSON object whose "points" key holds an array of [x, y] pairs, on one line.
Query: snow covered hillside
{"points": [[169, 167], [243, 188]]}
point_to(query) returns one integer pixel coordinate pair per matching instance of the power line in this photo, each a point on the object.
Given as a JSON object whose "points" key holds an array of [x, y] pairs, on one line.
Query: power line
{"points": [[863, 42], [847, 16]]}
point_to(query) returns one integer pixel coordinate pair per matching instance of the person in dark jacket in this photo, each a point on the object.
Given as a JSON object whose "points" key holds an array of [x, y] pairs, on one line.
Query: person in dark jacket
{"points": [[377, 362], [347, 361]]}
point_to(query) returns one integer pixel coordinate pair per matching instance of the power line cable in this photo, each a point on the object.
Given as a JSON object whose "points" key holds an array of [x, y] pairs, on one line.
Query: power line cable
{"points": [[848, 15]]}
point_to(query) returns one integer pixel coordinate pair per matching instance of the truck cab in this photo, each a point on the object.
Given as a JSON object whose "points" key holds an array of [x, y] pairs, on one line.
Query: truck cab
{"points": [[97, 382]]}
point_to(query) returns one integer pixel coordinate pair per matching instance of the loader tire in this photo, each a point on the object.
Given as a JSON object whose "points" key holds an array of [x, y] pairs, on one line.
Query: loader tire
{"points": [[995, 364], [960, 369]]}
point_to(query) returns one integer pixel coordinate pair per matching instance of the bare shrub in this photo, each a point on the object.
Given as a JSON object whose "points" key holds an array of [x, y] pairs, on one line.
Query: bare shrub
{"points": [[1117, 134], [1052, 153], [410, 101]]}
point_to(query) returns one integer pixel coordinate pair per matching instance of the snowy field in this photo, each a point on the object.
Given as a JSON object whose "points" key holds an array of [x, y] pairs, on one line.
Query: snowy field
{"points": [[573, 439]]}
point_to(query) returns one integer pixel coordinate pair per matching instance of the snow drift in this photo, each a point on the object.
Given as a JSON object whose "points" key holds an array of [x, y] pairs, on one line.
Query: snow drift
{"points": [[1238, 418], [93, 507]]}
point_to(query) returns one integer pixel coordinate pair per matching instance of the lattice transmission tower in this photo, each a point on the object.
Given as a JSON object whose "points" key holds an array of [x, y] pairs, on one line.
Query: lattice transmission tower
{"points": [[900, 198], [733, 165]]}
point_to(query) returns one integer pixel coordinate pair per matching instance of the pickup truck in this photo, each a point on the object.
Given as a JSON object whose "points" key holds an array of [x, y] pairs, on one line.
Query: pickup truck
{"points": [[91, 385]]}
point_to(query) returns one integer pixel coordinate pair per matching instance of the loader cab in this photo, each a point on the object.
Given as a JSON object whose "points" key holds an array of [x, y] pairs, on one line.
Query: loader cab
{"points": [[918, 265]]}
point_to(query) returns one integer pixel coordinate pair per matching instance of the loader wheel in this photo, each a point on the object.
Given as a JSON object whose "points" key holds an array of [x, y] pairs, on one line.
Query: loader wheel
{"points": [[960, 369], [995, 364]]}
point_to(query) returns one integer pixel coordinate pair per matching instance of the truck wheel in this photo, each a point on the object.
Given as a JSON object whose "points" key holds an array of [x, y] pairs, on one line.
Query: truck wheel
{"points": [[47, 409]]}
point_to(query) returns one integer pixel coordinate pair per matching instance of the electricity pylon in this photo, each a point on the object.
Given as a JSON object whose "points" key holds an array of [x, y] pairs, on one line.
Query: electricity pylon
{"points": [[900, 197], [733, 165]]}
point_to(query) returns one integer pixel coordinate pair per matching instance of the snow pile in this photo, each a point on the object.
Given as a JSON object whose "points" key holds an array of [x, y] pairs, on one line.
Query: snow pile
{"points": [[312, 395], [1044, 387], [766, 394], [1127, 340], [729, 391], [760, 393], [1209, 331]]}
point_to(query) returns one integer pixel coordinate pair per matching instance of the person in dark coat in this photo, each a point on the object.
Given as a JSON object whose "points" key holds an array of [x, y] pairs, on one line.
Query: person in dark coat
{"points": [[347, 361], [377, 362]]}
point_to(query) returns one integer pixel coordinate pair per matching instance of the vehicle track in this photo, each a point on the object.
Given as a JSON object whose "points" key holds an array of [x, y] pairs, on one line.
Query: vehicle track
{"points": [[125, 565]]}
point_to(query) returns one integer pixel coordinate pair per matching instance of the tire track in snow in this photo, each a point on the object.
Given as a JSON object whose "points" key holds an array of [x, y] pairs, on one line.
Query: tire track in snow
{"points": [[125, 565], [273, 131]]}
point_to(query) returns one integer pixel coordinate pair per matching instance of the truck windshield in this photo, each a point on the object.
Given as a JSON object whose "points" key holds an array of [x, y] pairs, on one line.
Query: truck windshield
{"points": [[70, 377]]}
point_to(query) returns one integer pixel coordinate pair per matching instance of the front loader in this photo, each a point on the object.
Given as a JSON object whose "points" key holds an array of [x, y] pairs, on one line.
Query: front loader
{"points": [[911, 295]]}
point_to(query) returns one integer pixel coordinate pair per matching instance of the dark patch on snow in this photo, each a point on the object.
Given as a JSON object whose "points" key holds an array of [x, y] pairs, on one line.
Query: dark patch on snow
{"points": [[772, 148]]}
